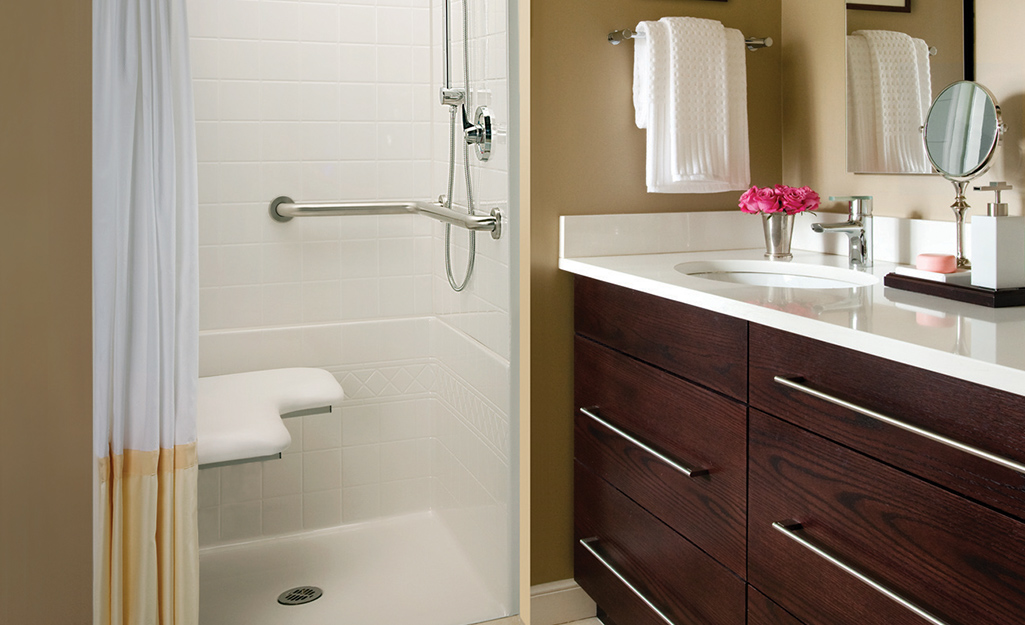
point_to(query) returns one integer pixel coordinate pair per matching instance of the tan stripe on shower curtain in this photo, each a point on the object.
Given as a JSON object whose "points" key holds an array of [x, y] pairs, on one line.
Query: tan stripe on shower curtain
{"points": [[149, 504]]}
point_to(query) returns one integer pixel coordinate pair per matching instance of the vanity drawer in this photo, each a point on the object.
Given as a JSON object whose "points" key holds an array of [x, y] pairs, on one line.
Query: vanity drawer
{"points": [[763, 611], [680, 580], [960, 561], [703, 346], [984, 418], [626, 406]]}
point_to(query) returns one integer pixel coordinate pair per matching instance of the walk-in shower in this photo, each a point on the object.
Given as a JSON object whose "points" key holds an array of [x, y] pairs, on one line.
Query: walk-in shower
{"points": [[401, 504]]}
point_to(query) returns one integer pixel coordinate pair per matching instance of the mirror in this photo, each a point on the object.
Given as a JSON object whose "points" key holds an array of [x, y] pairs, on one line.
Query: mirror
{"points": [[962, 131], [897, 61]]}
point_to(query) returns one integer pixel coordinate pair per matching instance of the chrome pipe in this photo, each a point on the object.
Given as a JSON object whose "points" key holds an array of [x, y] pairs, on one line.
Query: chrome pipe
{"points": [[682, 468], [283, 209], [586, 542], [789, 529], [914, 429]]}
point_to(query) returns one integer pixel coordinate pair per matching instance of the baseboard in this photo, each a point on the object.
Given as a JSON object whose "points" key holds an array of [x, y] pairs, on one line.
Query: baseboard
{"points": [[559, 602]]}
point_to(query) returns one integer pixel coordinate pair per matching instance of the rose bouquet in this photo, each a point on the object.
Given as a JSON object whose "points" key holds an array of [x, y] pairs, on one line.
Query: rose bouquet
{"points": [[779, 199]]}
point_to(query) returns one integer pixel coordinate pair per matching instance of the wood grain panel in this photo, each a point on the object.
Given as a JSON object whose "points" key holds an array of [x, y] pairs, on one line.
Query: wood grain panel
{"points": [[685, 583], [702, 346], [983, 417], [687, 423], [763, 611], [958, 560]]}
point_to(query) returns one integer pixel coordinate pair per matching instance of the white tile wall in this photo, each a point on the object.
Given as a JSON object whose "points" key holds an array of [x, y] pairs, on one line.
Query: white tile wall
{"points": [[334, 100]]}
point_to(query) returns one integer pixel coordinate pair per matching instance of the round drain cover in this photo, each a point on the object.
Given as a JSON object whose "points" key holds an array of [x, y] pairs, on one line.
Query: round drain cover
{"points": [[300, 595]]}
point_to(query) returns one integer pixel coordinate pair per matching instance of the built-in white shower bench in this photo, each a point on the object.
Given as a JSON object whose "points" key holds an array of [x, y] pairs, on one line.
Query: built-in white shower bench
{"points": [[239, 416]]}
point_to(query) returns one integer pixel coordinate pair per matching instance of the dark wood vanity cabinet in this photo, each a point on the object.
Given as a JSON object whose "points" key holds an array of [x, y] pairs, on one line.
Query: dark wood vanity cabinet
{"points": [[802, 506]]}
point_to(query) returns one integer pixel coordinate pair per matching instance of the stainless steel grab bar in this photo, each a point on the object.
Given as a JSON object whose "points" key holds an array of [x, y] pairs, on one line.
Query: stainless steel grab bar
{"points": [[586, 542], [682, 468], [789, 529], [284, 208], [914, 429]]}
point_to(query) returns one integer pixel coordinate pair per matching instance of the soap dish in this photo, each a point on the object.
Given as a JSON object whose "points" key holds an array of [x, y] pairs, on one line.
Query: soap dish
{"points": [[962, 277], [1000, 298]]}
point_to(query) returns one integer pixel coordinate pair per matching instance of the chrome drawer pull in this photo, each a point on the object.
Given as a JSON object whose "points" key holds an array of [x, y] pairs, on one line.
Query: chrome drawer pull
{"points": [[933, 436], [788, 528], [688, 471], [586, 542]]}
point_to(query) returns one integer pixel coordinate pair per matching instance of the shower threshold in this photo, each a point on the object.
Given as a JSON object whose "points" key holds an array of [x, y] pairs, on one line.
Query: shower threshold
{"points": [[395, 571]]}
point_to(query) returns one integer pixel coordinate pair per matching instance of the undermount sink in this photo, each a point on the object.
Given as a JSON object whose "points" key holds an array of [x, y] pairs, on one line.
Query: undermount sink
{"points": [[770, 273]]}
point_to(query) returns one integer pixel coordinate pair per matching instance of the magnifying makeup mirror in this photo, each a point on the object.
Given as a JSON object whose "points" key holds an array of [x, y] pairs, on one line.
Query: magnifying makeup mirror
{"points": [[961, 135]]}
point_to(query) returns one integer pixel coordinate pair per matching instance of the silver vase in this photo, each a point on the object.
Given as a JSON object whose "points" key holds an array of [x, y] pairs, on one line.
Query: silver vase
{"points": [[779, 229]]}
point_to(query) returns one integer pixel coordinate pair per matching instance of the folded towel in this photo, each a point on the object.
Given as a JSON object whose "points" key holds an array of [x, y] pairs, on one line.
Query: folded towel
{"points": [[690, 94], [901, 79], [864, 133]]}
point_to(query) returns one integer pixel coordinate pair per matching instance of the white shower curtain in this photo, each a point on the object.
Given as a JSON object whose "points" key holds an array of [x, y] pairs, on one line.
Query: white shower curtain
{"points": [[145, 327]]}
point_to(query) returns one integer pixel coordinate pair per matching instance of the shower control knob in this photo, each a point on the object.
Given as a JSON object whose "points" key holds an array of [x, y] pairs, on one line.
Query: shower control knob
{"points": [[479, 134]]}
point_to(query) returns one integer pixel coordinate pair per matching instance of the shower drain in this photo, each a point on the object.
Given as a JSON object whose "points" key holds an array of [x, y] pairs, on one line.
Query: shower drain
{"points": [[300, 595]]}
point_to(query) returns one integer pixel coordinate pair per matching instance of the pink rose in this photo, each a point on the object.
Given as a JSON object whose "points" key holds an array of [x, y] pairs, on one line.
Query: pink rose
{"points": [[799, 199], [756, 200]]}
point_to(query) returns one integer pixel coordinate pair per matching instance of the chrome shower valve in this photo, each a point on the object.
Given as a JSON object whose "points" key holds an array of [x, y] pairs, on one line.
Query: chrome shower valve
{"points": [[479, 133]]}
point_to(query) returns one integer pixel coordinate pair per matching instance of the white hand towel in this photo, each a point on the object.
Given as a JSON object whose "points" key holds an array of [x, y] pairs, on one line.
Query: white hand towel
{"points": [[690, 94], [864, 133], [901, 74]]}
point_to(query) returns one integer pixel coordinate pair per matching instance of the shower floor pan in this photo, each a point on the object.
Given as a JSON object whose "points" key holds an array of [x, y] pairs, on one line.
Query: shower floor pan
{"points": [[398, 571]]}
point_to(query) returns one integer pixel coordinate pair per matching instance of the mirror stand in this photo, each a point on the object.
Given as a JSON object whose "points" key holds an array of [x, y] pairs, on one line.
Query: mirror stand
{"points": [[959, 207]]}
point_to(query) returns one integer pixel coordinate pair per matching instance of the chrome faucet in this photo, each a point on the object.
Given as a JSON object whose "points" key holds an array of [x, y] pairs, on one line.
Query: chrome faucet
{"points": [[858, 229]]}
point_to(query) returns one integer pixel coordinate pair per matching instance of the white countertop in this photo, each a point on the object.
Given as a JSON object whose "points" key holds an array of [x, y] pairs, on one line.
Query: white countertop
{"points": [[975, 343]]}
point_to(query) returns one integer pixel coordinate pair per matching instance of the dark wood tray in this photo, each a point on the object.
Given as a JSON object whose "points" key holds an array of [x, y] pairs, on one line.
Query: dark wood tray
{"points": [[1001, 298]]}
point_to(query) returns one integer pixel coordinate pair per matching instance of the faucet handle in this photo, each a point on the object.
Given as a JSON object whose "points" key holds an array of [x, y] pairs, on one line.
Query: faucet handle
{"points": [[858, 205]]}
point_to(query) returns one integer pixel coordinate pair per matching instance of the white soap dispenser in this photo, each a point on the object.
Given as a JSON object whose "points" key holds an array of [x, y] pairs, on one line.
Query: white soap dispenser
{"points": [[998, 245]]}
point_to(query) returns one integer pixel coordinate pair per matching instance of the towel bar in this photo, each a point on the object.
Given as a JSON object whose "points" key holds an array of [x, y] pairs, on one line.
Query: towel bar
{"points": [[753, 43]]}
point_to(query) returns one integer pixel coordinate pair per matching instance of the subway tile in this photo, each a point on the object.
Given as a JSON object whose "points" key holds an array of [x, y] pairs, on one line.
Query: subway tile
{"points": [[321, 468], [295, 430], [322, 509], [358, 101], [241, 520], [358, 63], [209, 487], [283, 476], [394, 64], [394, 102], [356, 180], [279, 20], [320, 101], [359, 259], [240, 264], [319, 22], [277, 101], [322, 431], [241, 482], [279, 141], [361, 425], [321, 260], [202, 15], [358, 24], [321, 141], [240, 100], [405, 497], [360, 465], [360, 299], [279, 60], [239, 59], [282, 515], [399, 460], [282, 304], [320, 348], [361, 503], [397, 296], [238, 19], [321, 301], [319, 62], [209, 525], [395, 25], [276, 180]]}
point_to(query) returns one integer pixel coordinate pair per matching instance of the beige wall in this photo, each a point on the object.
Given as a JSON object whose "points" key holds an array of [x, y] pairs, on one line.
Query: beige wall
{"points": [[45, 313], [814, 151], [587, 157]]}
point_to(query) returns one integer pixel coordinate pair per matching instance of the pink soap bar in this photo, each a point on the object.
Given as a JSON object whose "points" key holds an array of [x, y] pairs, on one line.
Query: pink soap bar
{"points": [[940, 263]]}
